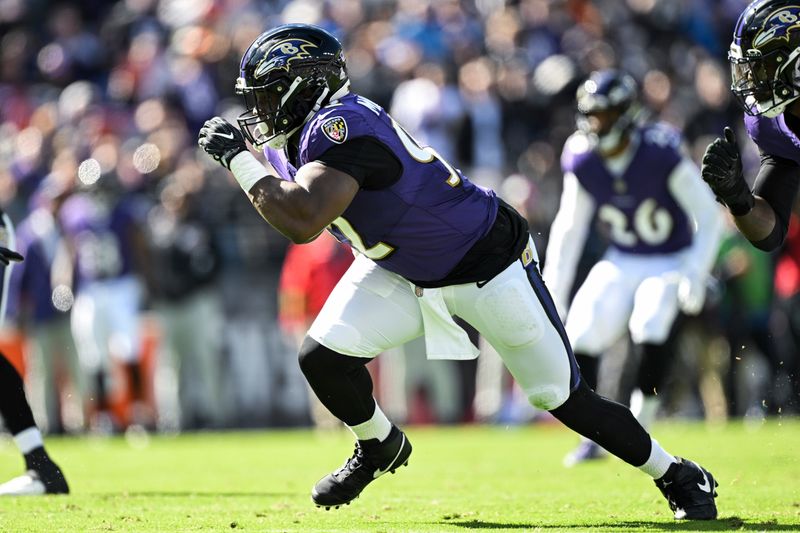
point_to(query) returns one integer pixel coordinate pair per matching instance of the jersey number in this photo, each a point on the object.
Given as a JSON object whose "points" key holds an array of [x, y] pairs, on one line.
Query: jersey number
{"points": [[651, 224], [423, 155]]}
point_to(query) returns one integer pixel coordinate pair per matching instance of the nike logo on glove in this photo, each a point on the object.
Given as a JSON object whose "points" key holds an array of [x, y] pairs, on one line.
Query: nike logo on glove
{"points": [[225, 135], [705, 486]]}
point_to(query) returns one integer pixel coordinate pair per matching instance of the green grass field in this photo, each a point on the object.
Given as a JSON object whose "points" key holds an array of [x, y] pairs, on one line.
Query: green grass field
{"points": [[459, 479]]}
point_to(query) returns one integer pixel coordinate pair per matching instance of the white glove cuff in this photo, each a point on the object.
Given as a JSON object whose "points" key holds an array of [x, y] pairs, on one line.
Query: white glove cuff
{"points": [[247, 170]]}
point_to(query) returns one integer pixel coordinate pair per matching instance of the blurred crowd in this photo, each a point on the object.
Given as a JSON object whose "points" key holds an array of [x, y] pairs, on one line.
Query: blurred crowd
{"points": [[152, 293]]}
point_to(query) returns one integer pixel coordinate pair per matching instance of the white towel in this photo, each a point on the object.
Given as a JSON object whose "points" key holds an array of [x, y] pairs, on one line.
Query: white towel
{"points": [[444, 339]]}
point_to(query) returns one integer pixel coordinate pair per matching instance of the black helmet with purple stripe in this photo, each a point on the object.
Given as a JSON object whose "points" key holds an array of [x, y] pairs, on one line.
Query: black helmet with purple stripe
{"points": [[764, 57], [285, 76]]}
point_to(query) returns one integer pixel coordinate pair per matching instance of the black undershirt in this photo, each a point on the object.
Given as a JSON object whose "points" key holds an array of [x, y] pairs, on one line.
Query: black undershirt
{"points": [[374, 166], [367, 160]]}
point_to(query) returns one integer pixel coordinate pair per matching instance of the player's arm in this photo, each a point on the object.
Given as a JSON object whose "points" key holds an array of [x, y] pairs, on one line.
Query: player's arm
{"points": [[300, 210], [776, 187], [567, 236], [764, 217], [698, 202]]}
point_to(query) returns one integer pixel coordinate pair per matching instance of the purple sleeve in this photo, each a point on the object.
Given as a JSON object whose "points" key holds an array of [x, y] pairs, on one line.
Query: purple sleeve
{"points": [[279, 163]]}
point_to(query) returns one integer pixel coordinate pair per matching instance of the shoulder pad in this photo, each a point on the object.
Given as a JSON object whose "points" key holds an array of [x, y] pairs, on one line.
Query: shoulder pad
{"points": [[333, 125]]}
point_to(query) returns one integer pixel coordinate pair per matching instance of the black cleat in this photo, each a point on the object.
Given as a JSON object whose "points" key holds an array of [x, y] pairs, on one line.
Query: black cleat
{"points": [[690, 490], [46, 479], [371, 459]]}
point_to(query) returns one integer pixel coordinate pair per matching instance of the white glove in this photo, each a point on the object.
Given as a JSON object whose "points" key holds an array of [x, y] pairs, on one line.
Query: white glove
{"points": [[691, 292]]}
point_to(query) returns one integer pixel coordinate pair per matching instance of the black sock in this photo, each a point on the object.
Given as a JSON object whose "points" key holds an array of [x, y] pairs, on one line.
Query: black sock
{"points": [[14, 405], [101, 395], [609, 424], [654, 366], [590, 367]]}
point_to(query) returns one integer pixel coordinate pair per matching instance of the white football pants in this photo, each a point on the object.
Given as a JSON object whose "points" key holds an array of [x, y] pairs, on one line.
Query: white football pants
{"points": [[372, 310], [637, 291]]}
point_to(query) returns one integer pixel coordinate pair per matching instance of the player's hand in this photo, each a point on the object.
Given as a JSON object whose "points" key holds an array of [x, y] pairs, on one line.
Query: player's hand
{"points": [[7, 256], [722, 170], [221, 140], [691, 292]]}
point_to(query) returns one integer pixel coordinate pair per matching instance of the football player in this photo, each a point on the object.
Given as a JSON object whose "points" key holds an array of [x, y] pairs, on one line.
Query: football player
{"points": [[766, 82], [430, 244], [42, 475], [664, 229], [103, 235]]}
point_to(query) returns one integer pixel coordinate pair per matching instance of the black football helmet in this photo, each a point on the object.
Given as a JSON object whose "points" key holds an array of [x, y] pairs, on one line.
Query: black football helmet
{"points": [[613, 91], [763, 57], [286, 75]]}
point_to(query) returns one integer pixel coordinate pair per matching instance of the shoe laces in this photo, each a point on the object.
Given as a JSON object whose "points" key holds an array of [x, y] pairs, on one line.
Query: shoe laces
{"points": [[354, 462]]}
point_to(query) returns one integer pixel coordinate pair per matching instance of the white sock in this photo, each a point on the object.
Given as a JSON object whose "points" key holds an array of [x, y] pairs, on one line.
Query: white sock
{"points": [[658, 462], [644, 407], [28, 440], [377, 427]]}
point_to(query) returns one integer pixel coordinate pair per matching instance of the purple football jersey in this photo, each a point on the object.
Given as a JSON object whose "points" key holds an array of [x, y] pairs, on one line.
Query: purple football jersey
{"points": [[421, 226], [642, 214], [773, 136], [101, 236]]}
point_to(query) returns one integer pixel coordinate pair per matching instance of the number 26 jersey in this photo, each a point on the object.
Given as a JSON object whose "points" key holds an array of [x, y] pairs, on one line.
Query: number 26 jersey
{"points": [[635, 201]]}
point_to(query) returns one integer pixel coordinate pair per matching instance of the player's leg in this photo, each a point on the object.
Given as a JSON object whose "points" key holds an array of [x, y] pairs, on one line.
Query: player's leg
{"points": [[516, 314], [43, 476], [597, 318], [654, 311], [90, 332], [369, 311], [125, 344]]}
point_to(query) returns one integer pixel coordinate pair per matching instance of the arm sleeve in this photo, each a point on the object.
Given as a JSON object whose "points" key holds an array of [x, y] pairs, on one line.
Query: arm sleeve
{"points": [[567, 237], [366, 159], [698, 201], [777, 183]]}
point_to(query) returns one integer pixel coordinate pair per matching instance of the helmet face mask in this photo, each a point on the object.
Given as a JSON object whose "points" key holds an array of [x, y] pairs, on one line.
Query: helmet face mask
{"points": [[286, 75], [764, 57], [760, 83]]}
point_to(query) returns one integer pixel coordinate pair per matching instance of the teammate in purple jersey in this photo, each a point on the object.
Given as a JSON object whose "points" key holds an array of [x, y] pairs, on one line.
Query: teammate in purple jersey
{"points": [[664, 229], [42, 475], [104, 240], [766, 81], [430, 245]]}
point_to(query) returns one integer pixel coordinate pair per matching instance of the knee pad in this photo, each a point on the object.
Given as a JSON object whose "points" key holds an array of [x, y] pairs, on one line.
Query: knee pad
{"points": [[313, 356], [548, 397], [316, 359]]}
